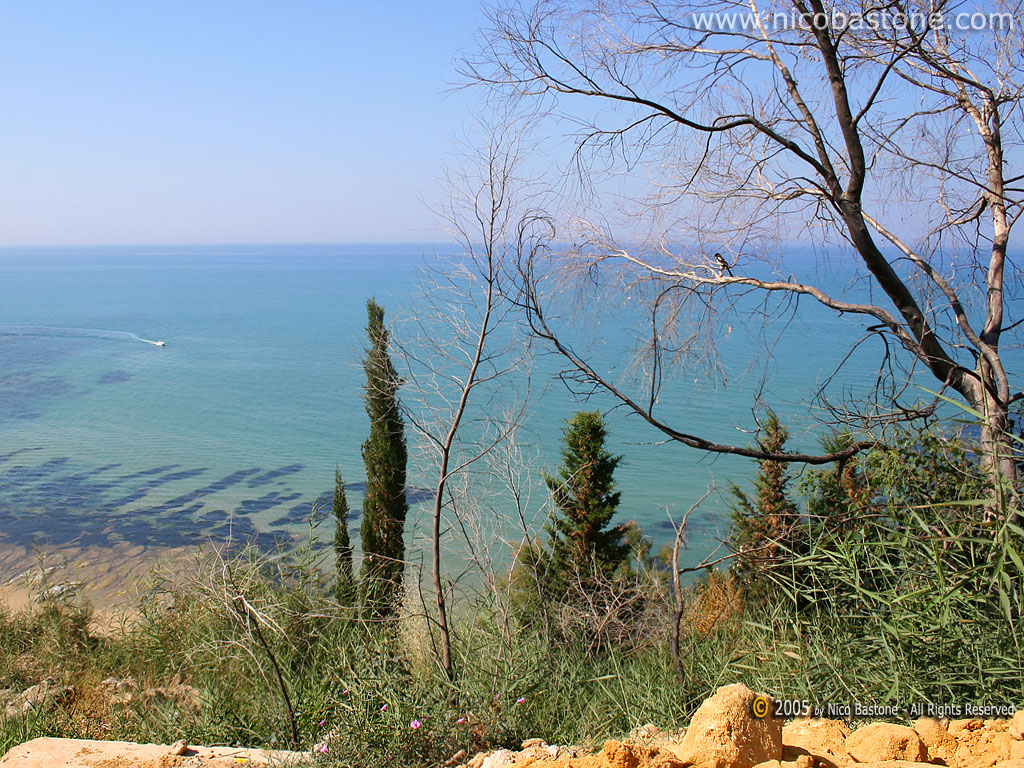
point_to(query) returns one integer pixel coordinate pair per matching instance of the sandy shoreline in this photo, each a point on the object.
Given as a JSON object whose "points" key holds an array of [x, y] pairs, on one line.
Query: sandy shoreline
{"points": [[111, 579]]}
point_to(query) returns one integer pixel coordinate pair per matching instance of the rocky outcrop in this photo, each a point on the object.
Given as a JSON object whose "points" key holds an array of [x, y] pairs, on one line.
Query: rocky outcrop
{"points": [[725, 732], [85, 753], [13, 704], [824, 741], [882, 742], [722, 734]]}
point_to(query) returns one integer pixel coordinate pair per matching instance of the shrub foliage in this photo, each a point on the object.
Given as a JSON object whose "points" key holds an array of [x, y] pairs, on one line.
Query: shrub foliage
{"points": [[384, 456]]}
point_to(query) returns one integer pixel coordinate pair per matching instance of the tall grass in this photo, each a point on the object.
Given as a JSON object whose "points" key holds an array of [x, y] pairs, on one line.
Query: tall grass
{"points": [[360, 688], [906, 602], [920, 572]]}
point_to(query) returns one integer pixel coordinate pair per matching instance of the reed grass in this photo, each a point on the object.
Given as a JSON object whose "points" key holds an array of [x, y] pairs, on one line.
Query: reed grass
{"points": [[916, 602]]}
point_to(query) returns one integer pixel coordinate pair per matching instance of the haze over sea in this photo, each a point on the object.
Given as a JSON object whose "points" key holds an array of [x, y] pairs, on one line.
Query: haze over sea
{"points": [[236, 426]]}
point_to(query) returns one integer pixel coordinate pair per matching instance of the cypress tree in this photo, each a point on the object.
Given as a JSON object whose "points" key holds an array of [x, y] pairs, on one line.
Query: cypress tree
{"points": [[345, 587], [384, 456], [584, 494]]}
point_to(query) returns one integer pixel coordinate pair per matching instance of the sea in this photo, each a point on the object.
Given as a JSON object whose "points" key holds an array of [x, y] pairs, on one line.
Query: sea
{"points": [[233, 428]]}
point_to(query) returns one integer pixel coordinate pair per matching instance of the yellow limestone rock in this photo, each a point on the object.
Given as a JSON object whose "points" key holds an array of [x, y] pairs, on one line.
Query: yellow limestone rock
{"points": [[824, 740], [802, 761], [1015, 727], [937, 738], [879, 742], [724, 734]]}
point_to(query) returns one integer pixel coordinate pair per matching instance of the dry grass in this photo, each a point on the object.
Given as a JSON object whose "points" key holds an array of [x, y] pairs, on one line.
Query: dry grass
{"points": [[714, 604]]}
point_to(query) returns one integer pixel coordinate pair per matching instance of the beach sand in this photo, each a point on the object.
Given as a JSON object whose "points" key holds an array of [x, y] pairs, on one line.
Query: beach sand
{"points": [[112, 580]]}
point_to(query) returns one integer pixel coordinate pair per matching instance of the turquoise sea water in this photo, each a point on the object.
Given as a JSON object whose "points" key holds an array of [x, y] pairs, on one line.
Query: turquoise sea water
{"points": [[235, 427]]}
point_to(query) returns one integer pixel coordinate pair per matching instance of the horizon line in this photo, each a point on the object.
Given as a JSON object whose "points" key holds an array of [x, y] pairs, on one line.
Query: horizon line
{"points": [[225, 243]]}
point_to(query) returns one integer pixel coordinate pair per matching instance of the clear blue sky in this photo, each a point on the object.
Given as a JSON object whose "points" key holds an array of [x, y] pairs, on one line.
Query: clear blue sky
{"points": [[227, 121]]}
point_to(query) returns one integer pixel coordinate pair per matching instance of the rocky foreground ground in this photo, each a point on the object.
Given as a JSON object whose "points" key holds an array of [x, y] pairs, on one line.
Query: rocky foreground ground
{"points": [[724, 733]]}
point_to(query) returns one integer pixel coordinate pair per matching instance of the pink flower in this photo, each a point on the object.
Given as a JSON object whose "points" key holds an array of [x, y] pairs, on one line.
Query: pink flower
{"points": [[321, 723], [415, 724], [345, 692], [460, 721], [384, 708], [521, 700], [323, 747]]}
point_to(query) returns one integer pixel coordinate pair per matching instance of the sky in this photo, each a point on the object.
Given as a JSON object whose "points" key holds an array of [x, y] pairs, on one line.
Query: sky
{"points": [[211, 122]]}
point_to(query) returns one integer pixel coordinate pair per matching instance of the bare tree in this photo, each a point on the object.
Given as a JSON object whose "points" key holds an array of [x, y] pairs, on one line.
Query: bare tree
{"points": [[234, 586], [516, 484], [850, 124], [459, 348], [707, 564], [678, 604]]}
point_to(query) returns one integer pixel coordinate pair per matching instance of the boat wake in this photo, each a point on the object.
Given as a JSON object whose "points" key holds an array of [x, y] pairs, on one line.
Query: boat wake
{"points": [[88, 333]]}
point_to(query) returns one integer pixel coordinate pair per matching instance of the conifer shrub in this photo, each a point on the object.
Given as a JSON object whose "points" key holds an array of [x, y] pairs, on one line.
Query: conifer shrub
{"points": [[765, 524], [345, 586], [384, 456], [582, 538]]}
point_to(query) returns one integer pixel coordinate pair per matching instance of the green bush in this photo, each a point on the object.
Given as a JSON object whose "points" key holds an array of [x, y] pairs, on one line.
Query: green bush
{"points": [[766, 525], [913, 597]]}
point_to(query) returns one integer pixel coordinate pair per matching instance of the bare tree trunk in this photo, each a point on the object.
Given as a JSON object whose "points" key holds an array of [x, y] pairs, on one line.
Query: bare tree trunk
{"points": [[443, 476], [913, 118], [677, 614], [998, 458], [997, 449], [677, 584], [464, 299], [439, 597]]}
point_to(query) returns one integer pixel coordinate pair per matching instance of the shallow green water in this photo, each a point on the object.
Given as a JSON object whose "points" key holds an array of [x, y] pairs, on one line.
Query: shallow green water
{"points": [[236, 425]]}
